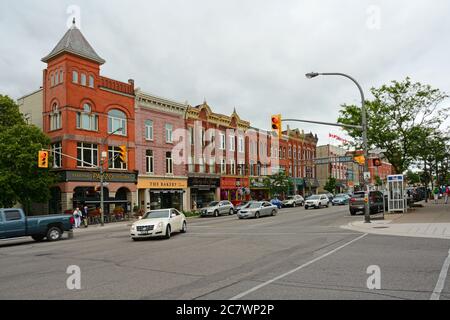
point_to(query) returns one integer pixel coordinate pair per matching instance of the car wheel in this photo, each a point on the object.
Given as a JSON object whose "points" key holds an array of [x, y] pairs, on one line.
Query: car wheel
{"points": [[231, 212], [38, 238], [274, 212], [184, 227], [328, 205], [54, 233], [306, 207], [216, 213], [352, 212], [168, 232], [257, 216]]}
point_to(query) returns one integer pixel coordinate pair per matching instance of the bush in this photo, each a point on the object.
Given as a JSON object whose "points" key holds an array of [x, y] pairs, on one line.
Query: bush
{"points": [[191, 213]]}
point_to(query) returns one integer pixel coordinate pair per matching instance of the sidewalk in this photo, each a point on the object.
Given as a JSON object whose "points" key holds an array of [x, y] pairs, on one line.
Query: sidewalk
{"points": [[430, 221]]}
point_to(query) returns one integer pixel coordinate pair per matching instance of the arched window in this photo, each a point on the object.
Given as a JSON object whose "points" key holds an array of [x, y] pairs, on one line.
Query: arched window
{"points": [[75, 77], [55, 118], [86, 120], [91, 81], [56, 77], [83, 79], [52, 80], [61, 76], [117, 120]]}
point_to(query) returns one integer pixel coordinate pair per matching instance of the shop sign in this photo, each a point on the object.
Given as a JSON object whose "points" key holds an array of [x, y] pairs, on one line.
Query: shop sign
{"points": [[93, 176], [233, 183], [144, 183], [257, 183]]}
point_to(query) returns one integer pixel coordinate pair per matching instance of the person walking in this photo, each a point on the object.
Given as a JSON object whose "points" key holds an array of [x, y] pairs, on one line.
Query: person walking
{"points": [[85, 216], [446, 194], [77, 216], [436, 194]]}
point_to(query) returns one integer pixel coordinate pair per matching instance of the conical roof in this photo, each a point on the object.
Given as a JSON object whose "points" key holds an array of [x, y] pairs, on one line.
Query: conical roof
{"points": [[75, 43]]}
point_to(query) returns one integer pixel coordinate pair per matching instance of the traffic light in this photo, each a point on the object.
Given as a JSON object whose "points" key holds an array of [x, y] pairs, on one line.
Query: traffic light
{"points": [[123, 153], [360, 159], [276, 124], [377, 162], [43, 159]]}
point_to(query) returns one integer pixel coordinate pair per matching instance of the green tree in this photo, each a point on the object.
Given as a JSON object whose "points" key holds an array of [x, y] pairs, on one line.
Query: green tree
{"points": [[330, 185], [412, 177], [278, 184], [399, 116], [21, 181]]}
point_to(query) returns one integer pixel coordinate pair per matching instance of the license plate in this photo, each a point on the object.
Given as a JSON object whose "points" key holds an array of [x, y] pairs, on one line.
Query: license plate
{"points": [[144, 233]]}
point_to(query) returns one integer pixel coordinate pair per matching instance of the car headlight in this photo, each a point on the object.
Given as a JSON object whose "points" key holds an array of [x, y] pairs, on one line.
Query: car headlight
{"points": [[133, 227], [160, 225]]}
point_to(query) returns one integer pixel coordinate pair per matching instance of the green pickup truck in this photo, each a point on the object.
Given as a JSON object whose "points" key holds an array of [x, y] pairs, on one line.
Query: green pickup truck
{"points": [[14, 223]]}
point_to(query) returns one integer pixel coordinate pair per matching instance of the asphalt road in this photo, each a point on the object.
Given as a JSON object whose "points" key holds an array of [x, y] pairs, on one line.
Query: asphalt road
{"points": [[297, 254]]}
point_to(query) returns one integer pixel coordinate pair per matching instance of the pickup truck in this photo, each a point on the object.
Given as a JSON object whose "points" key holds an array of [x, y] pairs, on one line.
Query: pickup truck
{"points": [[14, 223]]}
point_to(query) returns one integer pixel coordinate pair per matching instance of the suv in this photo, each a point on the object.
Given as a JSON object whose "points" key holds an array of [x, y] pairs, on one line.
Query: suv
{"points": [[217, 208], [294, 201], [376, 201], [317, 201]]}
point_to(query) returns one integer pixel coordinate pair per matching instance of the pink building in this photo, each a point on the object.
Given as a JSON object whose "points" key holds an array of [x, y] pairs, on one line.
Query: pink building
{"points": [[161, 183]]}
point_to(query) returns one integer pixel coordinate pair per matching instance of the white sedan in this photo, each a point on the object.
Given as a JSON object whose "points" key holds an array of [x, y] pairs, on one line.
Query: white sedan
{"points": [[159, 223]]}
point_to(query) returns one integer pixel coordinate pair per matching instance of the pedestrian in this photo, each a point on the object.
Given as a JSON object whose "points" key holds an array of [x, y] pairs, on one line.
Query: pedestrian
{"points": [[77, 217], [436, 194], [447, 194], [85, 216]]}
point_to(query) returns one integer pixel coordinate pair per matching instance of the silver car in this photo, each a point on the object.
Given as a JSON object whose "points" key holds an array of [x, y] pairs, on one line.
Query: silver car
{"points": [[258, 209], [217, 208]]}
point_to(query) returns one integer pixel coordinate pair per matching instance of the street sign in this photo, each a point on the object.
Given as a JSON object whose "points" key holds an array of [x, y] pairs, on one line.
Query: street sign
{"points": [[395, 177], [378, 150], [337, 159], [345, 159]]}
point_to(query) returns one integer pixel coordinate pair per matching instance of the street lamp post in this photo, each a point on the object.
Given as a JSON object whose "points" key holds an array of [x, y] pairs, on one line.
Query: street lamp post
{"points": [[364, 134], [102, 162]]}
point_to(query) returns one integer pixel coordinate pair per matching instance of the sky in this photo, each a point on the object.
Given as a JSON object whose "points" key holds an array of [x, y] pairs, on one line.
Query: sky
{"points": [[251, 55]]}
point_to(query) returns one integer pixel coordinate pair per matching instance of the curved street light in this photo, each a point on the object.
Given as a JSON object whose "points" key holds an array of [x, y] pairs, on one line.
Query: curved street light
{"points": [[311, 75], [102, 215]]}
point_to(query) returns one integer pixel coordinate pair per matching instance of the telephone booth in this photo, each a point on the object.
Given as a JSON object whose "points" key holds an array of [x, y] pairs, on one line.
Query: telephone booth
{"points": [[396, 193]]}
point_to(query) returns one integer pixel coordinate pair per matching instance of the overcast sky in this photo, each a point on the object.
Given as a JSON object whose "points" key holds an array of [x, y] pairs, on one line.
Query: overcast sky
{"points": [[251, 54]]}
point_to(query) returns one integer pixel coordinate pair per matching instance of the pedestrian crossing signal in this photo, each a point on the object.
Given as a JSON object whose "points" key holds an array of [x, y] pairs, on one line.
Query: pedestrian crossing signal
{"points": [[377, 162], [276, 124], [43, 159], [123, 154]]}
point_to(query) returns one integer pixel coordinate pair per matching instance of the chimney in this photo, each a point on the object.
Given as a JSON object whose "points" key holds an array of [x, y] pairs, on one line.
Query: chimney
{"points": [[131, 82]]}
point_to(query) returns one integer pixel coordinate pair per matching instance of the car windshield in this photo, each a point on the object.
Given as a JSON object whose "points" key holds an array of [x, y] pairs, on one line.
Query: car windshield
{"points": [[243, 204], [157, 214], [290, 198], [314, 198], [213, 204], [341, 195], [358, 195], [254, 205]]}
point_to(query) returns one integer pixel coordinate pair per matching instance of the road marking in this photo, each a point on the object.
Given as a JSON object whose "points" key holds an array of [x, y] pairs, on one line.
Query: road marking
{"points": [[243, 294], [441, 281]]}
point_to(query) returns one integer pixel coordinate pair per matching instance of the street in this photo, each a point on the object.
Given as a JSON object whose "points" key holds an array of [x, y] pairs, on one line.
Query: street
{"points": [[298, 254]]}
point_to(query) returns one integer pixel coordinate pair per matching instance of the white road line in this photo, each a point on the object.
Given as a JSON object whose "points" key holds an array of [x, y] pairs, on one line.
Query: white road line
{"points": [[441, 281], [243, 294]]}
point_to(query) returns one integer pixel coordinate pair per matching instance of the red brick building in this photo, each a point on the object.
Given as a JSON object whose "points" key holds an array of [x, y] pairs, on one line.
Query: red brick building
{"points": [[88, 116], [162, 181]]}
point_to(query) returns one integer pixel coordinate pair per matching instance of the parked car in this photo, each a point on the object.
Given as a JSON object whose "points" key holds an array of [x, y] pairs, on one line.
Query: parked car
{"points": [[340, 199], [217, 208], [376, 200], [317, 201], [14, 223], [277, 202], [240, 206], [159, 223], [257, 209], [294, 201]]}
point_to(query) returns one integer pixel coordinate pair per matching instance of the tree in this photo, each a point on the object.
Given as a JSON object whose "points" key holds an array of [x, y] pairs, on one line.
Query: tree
{"points": [[412, 177], [378, 181], [330, 185], [400, 115], [278, 183], [20, 179]]}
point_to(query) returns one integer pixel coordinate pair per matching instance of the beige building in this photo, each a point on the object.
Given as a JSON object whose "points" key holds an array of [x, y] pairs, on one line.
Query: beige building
{"points": [[31, 107], [328, 165]]}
